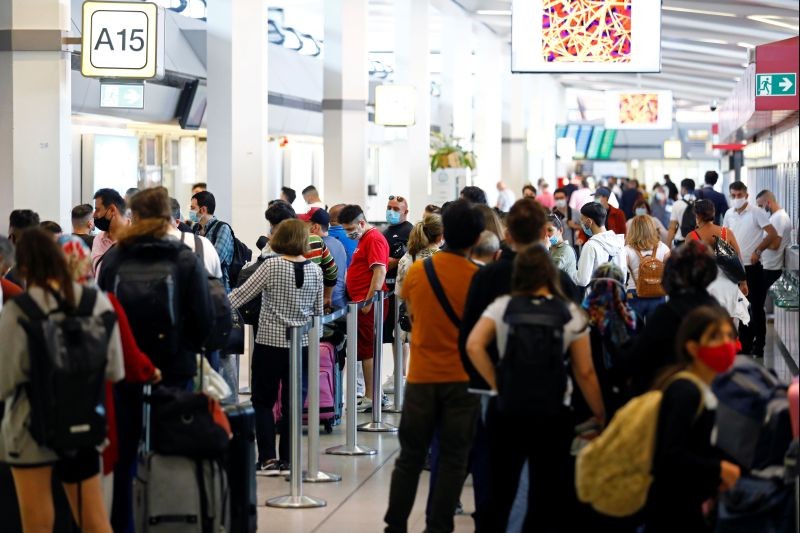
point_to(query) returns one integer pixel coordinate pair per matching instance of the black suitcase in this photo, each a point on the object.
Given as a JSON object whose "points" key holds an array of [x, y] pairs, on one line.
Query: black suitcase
{"points": [[241, 467]]}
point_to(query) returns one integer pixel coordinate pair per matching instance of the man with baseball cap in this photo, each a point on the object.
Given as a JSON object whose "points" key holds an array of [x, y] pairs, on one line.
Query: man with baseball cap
{"points": [[320, 221], [615, 218]]}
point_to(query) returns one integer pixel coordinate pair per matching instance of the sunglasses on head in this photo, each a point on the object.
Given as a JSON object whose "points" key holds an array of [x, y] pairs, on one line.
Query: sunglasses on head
{"points": [[398, 198]]}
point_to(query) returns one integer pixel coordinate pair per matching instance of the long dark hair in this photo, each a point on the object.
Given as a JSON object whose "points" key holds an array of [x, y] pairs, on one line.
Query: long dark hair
{"points": [[692, 328], [534, 269], [42, 263]]}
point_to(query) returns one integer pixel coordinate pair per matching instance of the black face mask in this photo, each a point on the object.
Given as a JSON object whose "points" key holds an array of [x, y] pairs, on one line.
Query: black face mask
{"points": [[102, 223]]}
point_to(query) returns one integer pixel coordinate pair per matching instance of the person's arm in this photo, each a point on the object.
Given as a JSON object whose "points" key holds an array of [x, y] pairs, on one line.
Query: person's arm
{"points": [[476, 304], [393, 263], [223, 243], [673, 230], [251, 288], [766, 242], [585, 263], [330, 273], [478, 341], [200, 313], [582, 366], [15, 342], [376, 284]]}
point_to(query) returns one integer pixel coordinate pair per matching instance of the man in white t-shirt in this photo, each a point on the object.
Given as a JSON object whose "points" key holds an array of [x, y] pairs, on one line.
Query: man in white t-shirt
{"points": [[754, 233], [677, 234], [505, 197], [772, 257]]}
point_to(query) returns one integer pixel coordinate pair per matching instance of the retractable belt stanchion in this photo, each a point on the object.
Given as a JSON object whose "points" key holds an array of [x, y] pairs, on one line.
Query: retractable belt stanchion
{"points": [[295, 499], [313, 473], [377, 425], [351, 447], [399, 369]]}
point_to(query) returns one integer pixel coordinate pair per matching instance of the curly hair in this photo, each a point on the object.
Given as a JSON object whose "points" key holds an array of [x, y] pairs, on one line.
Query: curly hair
{"points": [[690, 268]]}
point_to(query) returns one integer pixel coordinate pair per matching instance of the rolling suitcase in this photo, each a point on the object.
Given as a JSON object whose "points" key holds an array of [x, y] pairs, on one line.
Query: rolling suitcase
{"points": [[240, 465], [176, 494], [327, 387]]}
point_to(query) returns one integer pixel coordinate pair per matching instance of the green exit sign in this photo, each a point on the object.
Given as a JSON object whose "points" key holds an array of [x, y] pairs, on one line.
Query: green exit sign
{"points": [[777, 84]]}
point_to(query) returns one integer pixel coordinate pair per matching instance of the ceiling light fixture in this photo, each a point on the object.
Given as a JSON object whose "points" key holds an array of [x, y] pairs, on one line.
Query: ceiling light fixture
{"points": [[712, 41], [774, 21], [746, 45], [494, 12], [698, 11]]}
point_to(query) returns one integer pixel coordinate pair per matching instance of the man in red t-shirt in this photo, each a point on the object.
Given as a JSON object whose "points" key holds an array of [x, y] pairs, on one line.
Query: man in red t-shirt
{"points": [[615, 220], [365, 276]]}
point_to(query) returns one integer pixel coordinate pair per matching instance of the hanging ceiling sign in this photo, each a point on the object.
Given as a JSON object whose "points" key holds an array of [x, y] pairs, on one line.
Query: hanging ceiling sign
{"points": [[585, 36], [122, 40]]}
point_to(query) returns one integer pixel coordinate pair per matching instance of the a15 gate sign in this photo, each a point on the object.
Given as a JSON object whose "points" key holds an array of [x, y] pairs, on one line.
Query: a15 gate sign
{"points": [[122, 40]]}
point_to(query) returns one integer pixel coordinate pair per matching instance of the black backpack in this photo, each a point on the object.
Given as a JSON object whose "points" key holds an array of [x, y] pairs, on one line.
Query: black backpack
{"points": [[241, 254], [251, 311], [223, 319], [68, 358], [532, 374], [688, 220], [148, 291]]}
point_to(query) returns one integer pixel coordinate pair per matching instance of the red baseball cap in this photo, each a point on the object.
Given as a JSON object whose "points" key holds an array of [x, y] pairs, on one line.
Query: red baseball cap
{"points": [[316, 215]]}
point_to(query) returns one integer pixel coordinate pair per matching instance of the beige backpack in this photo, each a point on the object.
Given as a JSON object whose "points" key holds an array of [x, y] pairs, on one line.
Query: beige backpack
{"points": [[648, 279], [613, 473]]}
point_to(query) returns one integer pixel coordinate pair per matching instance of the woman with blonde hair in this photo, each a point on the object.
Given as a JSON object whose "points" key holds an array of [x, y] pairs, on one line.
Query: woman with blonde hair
{"points": [[643, 241], [493, 222]]}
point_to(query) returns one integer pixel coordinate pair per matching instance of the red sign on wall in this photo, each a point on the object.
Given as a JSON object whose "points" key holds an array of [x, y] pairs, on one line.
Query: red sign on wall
{"points": [[780, 57]]}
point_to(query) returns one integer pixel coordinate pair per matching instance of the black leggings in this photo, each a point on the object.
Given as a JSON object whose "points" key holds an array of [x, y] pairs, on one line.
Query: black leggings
{"points": [[270, 370]]}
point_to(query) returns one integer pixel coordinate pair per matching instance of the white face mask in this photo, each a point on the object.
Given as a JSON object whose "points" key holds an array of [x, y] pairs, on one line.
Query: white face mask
{"points": [[738, 203], [659, 196], [561, 203]]}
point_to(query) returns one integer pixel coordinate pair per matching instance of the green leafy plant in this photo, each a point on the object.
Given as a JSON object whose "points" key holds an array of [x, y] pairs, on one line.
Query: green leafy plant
{"points": [[447, 152]]}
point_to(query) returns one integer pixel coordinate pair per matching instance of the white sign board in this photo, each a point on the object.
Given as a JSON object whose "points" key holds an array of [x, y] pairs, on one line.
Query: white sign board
{"points": [[395, 105], [122, 40], [122, 95]]}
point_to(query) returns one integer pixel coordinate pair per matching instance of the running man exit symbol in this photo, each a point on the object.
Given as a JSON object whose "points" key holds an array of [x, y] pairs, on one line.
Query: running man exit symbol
{"points": [[779, 84]]}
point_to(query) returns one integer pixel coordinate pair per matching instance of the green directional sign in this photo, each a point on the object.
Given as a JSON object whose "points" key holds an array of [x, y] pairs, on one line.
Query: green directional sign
{"points": [[122, 95], [777, 84]]}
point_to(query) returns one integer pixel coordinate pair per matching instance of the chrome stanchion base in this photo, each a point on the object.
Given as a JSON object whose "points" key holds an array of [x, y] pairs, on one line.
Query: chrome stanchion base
{"points": [[344, 449], [378, 427], [296, 502], [321, 477], [391, 409]]}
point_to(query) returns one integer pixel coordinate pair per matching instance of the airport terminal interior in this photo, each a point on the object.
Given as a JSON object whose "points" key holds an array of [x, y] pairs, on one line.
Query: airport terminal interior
{"points": [[399, 265]]}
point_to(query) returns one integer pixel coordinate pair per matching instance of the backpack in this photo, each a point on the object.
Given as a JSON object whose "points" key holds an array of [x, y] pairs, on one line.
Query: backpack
{"points": [[532, 375], [148, 291], [241, 254], [613, 472], [688, 220], [251, 311], [68, 358], [223, 319], [753, 420], [649, 276]]}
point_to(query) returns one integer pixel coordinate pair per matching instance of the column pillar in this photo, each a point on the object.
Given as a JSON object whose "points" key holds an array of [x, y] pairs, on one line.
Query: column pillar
{"points": [[35, 110], [514, 142], [344, 102], [457, 77], [542, 128], [411, 68], [237, 113], [489, 112]]}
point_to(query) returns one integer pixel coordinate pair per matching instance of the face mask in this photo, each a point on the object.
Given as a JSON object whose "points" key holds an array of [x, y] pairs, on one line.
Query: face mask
{"points": [[640, 211], [688, 197], [718, 358], [586, 229], [355, 235], [102, 223], [553, 240], [561, 203], [659, 196], [738, 203], [194, 217], [392, 217]]}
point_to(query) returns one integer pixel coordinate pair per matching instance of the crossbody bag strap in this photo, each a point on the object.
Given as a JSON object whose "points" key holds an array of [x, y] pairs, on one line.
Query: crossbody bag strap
{"points": [[198, 247], [436, 285]]}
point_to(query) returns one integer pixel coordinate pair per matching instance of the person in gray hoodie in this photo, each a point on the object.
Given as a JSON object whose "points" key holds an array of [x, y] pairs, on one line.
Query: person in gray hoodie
{"points": [[603, 246]]}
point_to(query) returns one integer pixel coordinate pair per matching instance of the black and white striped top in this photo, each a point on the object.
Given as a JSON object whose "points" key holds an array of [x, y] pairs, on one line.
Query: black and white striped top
{"points": [[290, 293]]}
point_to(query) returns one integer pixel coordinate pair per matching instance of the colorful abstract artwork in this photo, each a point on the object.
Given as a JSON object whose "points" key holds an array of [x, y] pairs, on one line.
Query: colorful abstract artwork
{"points": [[586, 31], [638, 108]]}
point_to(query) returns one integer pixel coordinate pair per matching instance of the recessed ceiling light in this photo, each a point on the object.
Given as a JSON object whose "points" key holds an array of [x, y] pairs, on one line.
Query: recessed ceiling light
{"points": [[712, 41], [746, 45], [774, 21], [698, 11], [494, 12]]}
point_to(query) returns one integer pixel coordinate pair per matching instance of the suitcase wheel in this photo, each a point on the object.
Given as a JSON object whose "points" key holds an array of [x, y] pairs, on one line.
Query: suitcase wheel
{"points": [[328, 426]]}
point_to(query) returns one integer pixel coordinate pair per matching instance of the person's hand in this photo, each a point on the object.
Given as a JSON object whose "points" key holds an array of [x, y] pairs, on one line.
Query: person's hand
{"points": [[156, 376], [327, 302], [755, 258], [743, 287], [729, 473], [366, 309]]}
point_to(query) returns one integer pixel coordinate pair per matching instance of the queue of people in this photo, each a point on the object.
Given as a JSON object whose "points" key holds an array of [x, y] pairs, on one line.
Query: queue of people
{"points": [[525, 328]]}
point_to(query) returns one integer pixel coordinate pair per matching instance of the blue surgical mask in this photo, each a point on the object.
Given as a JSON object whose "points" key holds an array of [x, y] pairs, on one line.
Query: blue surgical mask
{"points": [[586, 229], [193, 217], [553, 240], [640, 211], [392, 217]]}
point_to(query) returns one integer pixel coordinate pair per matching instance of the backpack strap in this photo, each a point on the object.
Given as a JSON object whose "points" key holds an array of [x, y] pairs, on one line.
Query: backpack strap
{"points": [[688, 376], [30, 307], [198, 248], [86, 303], [436, 285]]}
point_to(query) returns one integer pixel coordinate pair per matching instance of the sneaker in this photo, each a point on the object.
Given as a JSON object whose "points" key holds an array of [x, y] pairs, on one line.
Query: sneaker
{"points": [[285, 468], [364, 405], [270, 467], [388, 385], [385, 401]]}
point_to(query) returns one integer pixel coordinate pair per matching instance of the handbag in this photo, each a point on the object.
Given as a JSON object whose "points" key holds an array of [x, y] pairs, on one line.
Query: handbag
{"points": [[728, 260]]}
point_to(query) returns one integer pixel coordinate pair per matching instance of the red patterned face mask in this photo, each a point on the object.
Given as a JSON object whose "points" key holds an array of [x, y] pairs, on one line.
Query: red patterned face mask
{"points": [[718, 358]]}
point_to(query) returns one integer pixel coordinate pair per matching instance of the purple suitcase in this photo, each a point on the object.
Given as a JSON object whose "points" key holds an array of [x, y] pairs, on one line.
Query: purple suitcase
{"points": [[327, 390]]}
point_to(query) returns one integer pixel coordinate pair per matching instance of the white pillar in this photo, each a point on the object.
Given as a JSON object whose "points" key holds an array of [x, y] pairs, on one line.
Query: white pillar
{"points": [[237, 113], [514, 142], [489, 112], [457, 78], [411, 68], [35, 109], [542, 127], [344, 102]]}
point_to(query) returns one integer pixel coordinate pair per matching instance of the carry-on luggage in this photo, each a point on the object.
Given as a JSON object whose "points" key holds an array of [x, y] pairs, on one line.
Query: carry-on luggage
{"points": [[177, 494], [327, 387], [240, 465]]}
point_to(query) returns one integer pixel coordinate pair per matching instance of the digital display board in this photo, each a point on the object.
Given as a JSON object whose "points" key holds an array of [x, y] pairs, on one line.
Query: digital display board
{"points": [[594, 143], [607, 144], [638, 110], [585, 36], [582, 142]]}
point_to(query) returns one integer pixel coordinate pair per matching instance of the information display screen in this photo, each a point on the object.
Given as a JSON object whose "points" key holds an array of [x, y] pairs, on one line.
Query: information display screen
{"points": [[607, 144], [638, 110], [585, 36], [582, 142], [594, 143]]}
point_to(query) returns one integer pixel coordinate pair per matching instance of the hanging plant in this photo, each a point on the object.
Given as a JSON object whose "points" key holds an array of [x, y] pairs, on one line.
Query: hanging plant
{"points": [[447, 152]]}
